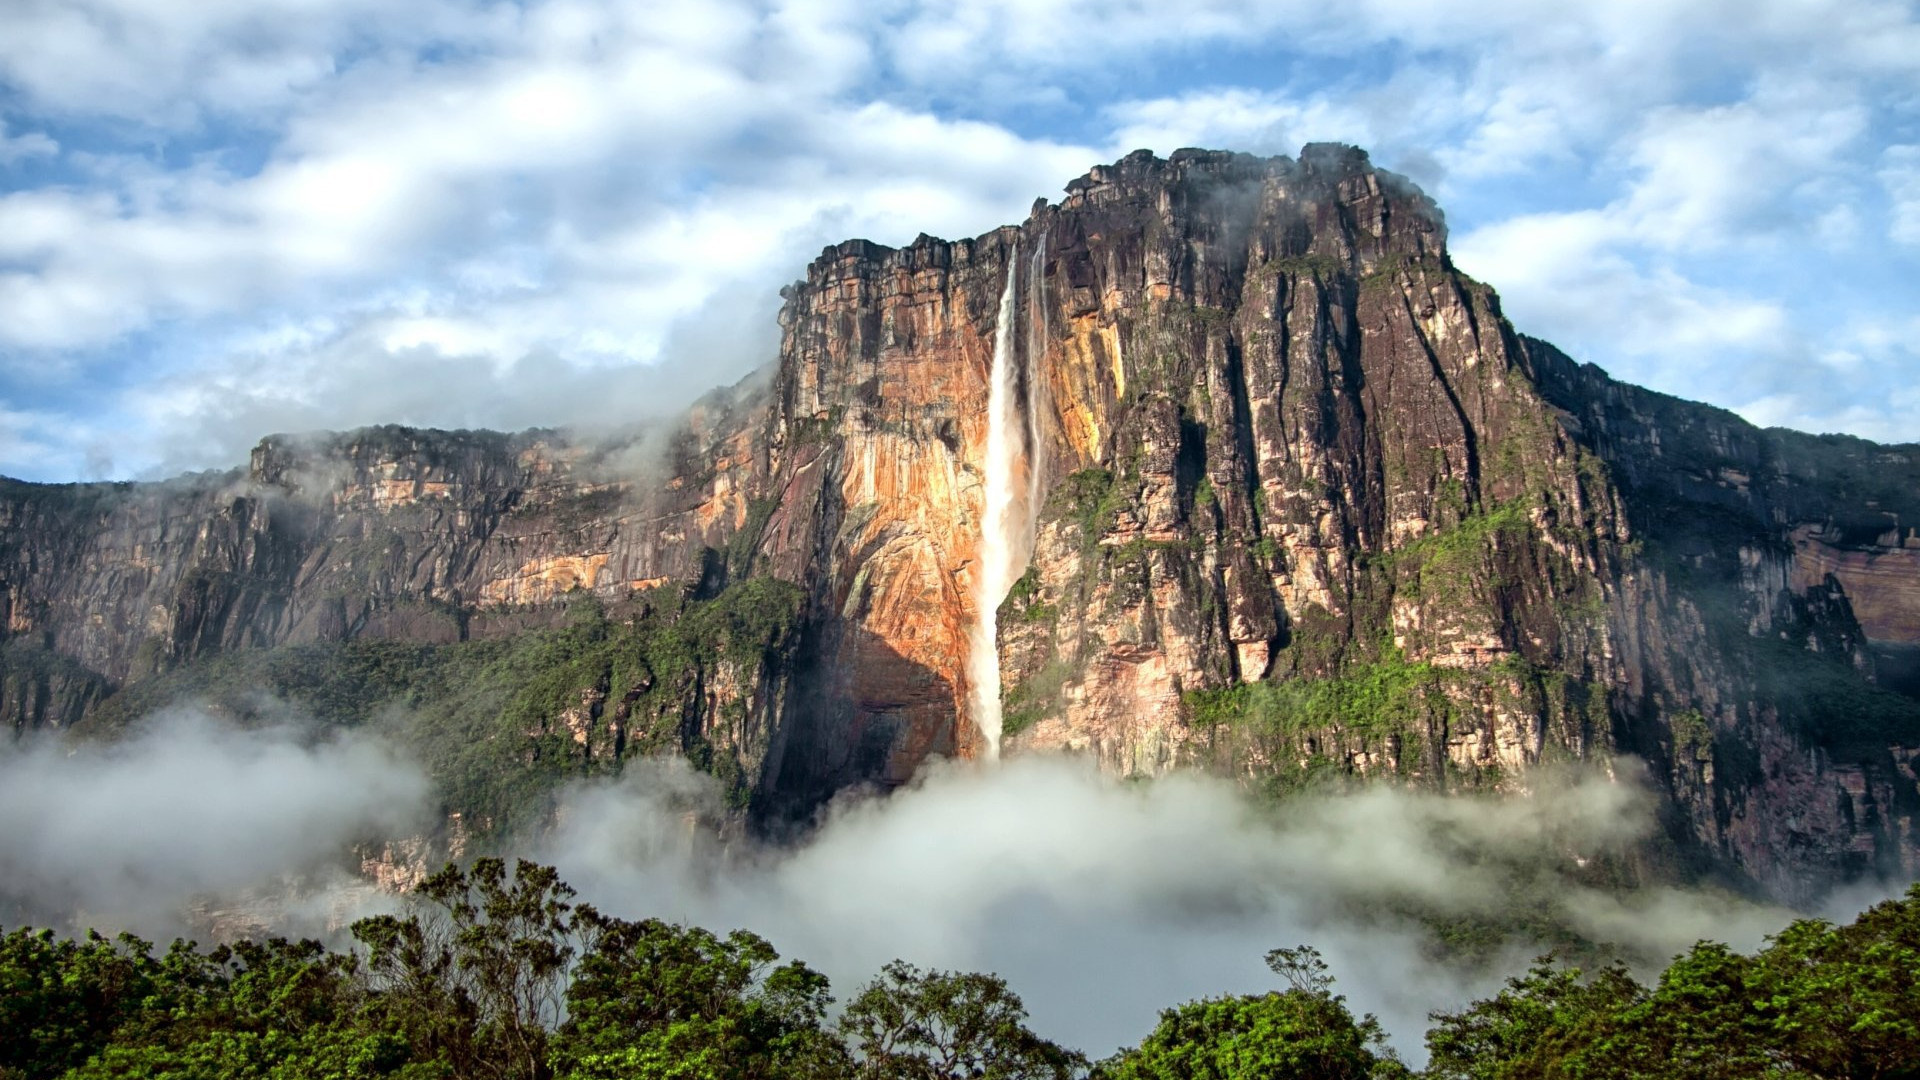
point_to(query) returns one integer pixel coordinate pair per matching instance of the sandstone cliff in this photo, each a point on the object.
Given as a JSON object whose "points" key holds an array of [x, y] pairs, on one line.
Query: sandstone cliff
{"points": [[1301, 505]]}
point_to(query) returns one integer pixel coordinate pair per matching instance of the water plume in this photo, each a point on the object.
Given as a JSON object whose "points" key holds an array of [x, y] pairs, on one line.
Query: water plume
{"points": [[1036, 383], [1002, 526]]}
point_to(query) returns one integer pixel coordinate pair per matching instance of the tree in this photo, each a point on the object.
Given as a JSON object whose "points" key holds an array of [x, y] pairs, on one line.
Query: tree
{"points": [[1534, 1023], [1303, 969], [274, 1010], [476, 976], [909, 1024], [1845, 1001], [654, 1000], [1818, 1002], [62, 1000], [1304, 1032]]}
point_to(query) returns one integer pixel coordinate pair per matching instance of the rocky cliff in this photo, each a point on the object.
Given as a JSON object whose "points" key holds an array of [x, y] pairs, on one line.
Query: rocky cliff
{"points": [[1293, 502]]}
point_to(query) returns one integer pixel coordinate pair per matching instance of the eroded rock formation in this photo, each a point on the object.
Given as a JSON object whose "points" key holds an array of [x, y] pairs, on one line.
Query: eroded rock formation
{"points": [[1303, 505]]}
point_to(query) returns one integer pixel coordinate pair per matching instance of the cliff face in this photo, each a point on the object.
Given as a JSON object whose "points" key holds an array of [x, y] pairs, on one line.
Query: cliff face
{"points": [[1301, 505]]}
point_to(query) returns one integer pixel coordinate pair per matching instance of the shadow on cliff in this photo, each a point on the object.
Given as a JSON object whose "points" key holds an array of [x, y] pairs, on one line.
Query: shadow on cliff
{"points": [[863, 722]]}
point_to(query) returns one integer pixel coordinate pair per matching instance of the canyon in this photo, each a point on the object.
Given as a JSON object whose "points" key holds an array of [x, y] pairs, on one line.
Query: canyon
{"points": [[1271, 489]]}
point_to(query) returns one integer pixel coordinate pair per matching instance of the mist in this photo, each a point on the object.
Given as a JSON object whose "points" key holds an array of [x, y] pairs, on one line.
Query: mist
{"points": [[1100, 900], [1103, 901], [191, 823]]}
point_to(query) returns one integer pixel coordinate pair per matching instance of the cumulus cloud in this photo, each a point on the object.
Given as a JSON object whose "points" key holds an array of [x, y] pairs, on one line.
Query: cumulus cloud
{"points": [[558, 185], [1726, 269], [190, 815], [1103, 901], [1900, 174], [1727, 174], [17, 147], [173, 64], [1239, 118]]}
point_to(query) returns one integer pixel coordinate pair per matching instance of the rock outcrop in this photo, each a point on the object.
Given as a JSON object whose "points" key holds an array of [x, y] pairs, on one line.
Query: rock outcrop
{"points": [[1304, 505]]}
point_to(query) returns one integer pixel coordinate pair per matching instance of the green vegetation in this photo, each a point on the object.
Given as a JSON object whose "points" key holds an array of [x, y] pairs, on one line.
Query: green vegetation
{"points": [[743, 545], [1444, 563], [1819, 1001], [1023, 603], [498, 974], [816, 430], [1027, 703], [1324, 266], [1372, 698], [34, 680], [910, 1023], [486, 717], [1384, 278], [495, 974], [1091, 498], [578, 509], [1331, 716], [653, 999], [1692, 736], [1305, 1031]]}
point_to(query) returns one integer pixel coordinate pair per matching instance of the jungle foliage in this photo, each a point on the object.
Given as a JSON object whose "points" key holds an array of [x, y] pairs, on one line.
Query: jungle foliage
{"points": [[498, 973]]}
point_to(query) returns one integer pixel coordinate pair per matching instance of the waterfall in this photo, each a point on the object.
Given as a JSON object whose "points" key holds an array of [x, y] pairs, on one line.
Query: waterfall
{"points": [[1036, 386], [1002, 527]]}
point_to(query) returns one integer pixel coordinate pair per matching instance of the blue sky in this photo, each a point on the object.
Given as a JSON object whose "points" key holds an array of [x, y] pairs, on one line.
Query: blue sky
{"points": [[223, 218]]}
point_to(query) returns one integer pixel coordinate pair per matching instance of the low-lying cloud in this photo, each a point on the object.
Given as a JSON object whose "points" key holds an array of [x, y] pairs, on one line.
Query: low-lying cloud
{"points": [[1103, 901], [1100, 900], [189, 814]]}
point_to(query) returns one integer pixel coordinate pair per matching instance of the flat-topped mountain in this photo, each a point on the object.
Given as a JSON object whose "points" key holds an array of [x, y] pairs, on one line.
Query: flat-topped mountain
{"points": [[1216, 462]]}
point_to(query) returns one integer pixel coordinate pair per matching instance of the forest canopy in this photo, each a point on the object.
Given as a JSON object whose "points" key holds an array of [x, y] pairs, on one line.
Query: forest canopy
{"points": [[495, 972]]}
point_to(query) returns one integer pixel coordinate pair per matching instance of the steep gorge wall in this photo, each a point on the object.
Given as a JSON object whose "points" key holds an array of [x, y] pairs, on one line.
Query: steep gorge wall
{"points": [[1310, 508], [1306, 507]]}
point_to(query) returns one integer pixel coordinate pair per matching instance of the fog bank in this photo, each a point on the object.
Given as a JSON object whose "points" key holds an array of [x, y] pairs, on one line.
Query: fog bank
{"points": [[1104, 901], [189, 821], [1101, 901]]}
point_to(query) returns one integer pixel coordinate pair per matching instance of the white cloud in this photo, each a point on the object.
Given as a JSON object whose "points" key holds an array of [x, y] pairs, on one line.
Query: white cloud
{"points": [[20, 147], [52, 443], [597, 329], [1242, 119], [1567, 270], [1900, 175], [133, 832], [1102, 902], [1718, 269], [1728, 173], [565, 181], [174, 64]]}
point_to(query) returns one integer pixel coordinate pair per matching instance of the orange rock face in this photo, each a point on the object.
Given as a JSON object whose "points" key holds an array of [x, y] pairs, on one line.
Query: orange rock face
{"points": [[1284, 439], [1281, 451], [888, 359], [541, 580]]}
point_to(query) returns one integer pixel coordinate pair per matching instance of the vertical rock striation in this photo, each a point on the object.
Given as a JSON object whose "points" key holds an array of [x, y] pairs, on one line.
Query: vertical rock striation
{"points": [[1301, 502]]}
